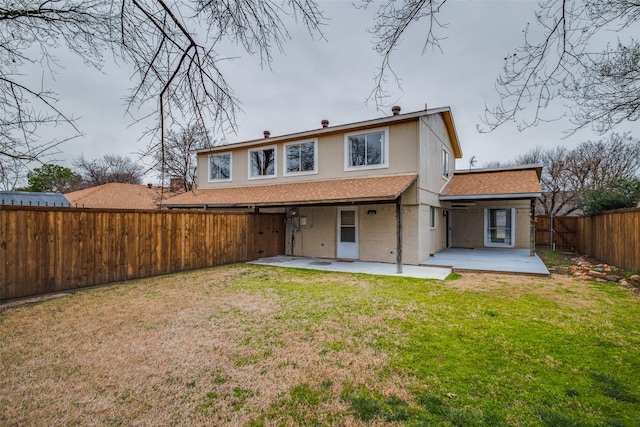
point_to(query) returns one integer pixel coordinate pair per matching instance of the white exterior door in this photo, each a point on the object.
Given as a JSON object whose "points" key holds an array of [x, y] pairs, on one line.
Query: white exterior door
{"points": [[348, 233]]}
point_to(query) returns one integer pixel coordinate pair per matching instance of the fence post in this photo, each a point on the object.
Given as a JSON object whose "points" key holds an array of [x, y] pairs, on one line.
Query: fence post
{"points": [[552, 244]]}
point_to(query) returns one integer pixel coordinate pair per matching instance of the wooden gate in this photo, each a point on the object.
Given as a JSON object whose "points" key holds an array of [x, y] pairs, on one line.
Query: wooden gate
{"points": [[557, 233]]}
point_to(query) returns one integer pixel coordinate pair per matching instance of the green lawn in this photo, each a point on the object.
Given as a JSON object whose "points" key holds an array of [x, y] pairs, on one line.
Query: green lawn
{"points": [[254, 345]]}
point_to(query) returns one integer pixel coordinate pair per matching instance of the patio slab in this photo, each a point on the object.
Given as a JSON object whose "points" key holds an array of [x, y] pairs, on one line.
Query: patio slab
{"points": [[344, 266], [500, 260]]}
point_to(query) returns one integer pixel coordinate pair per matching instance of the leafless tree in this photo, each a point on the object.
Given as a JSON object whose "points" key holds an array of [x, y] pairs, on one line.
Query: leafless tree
{"points": [[568, 174], [29, 33], [12, 173], [172, 46], [391, 20], [179, 155], [110, 168], [558, 59]]}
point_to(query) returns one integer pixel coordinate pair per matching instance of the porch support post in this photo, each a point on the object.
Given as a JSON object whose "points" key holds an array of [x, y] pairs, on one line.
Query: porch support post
{"points": [[399, 235], [532, 228]]}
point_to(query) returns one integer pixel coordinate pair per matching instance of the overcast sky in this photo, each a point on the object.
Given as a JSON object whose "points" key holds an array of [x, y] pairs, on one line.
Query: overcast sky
{"points": [[331, 79]]}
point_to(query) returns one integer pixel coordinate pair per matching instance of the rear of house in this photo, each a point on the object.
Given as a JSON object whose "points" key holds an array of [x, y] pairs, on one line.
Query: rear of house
{"points": [[368, 191]]}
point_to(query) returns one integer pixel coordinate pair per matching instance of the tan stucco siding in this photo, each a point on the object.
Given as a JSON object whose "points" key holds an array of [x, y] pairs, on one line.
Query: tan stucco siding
{"points": [[468, 224], [403, 159], [434, 138]]}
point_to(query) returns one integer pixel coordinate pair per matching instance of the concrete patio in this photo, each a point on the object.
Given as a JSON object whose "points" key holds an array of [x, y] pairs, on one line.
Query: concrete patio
{"points": [[500, 260], [439, 266], [346, 266]]}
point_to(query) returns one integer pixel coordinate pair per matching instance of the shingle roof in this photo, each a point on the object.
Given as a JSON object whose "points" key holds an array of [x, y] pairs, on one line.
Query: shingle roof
{"points": [[491, 184], [385, 188], [27, 198], [116, 195], [446, 113]]}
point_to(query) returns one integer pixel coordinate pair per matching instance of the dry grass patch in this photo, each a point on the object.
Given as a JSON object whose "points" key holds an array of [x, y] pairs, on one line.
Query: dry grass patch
{"points": [[183, 349]]}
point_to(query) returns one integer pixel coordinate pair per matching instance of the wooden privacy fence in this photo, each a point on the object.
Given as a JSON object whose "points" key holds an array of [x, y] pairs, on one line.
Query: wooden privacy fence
{"points": [[557, 233], [46, 250], [613, 237]]}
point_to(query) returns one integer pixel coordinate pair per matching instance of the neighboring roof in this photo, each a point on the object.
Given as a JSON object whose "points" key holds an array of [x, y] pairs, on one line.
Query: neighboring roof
{"points": [[26, 198], [518, 182], [349, 127], [117, 195], [385, 188]]}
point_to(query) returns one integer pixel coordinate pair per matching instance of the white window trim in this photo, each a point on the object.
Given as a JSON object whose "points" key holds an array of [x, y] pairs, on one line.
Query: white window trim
{"points": [[433, 213], [315, 158], [446, 175], [275, 166], [230, 167], [385, 148], [487, 242]]}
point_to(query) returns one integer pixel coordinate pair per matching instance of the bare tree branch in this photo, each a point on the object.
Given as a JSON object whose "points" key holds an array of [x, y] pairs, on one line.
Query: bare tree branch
{"points": [[392, 19], [175, 70], [601, 89], [558, 60]]}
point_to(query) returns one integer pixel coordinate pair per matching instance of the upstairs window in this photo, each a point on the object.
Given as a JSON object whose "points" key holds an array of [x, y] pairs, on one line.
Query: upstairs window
{"points": [[262, 163], [445, 163], [367, 150], [300, 158], [220, 167]]}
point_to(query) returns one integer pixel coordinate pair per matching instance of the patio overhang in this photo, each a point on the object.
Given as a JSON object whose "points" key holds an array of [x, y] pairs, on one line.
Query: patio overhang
{"points": [[515, 183], [466, 188], [381, 189]]}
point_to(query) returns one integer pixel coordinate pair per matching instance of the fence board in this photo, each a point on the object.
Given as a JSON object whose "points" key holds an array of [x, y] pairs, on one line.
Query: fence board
{"points": [[52, 249], [613, 237]]}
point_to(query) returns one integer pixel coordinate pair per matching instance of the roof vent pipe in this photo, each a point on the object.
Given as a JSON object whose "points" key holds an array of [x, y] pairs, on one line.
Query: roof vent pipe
{"points": [[395, 110], [325, 123], [267, 134]]}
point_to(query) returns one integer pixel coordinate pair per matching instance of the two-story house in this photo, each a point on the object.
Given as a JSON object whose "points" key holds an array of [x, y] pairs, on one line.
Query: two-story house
{"points": [[378, 190]]}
